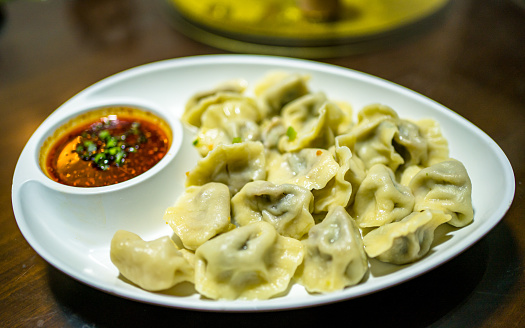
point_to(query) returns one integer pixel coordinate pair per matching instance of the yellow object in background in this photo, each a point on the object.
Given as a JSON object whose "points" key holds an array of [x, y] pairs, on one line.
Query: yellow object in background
{"points": [[297, 23]]}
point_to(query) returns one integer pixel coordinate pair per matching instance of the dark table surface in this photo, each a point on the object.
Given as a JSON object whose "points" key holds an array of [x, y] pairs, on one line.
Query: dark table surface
{"points": [[472, 61]]}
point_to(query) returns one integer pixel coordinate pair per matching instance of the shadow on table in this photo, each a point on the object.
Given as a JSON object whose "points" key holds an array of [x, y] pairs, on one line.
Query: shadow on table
{"points": [[463, 292]]}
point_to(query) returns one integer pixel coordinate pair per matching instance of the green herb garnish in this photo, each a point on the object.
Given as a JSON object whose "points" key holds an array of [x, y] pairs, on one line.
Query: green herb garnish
{"points": [[291, 133], [237, 140], [104, 149]]}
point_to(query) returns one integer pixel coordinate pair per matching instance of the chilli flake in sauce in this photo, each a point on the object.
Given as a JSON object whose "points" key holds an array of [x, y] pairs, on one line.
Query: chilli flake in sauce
{"points": [[106, 151]]}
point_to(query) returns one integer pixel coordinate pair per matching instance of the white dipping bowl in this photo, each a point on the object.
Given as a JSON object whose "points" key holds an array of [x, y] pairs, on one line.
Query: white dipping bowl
{"points": [[89, 216]]}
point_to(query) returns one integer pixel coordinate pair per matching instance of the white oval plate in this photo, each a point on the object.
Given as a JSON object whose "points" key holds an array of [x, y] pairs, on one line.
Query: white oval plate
{"points": [[170, 83]]}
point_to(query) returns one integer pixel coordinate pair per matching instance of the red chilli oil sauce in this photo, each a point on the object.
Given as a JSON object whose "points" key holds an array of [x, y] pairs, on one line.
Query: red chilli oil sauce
{"points": [[105, 146]]}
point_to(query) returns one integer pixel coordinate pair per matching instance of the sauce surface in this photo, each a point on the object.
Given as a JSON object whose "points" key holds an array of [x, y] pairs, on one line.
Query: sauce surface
{"points": [[106, 150]]}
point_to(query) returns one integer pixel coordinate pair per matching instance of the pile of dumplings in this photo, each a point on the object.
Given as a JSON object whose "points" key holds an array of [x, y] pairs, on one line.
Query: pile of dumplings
{"points": [[290, 189]]}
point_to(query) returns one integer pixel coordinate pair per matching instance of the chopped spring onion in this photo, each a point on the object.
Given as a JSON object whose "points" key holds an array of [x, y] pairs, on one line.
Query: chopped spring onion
{"points": [[291, 133]]}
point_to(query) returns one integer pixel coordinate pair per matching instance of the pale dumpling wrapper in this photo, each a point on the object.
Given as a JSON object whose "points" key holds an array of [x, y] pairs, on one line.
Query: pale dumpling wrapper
{"points": [[338, 190], [405, 176], [287, 207], [381, 199], [356, 172], [152, 265], [371, 139], [370, 114], [369, 118], [232, 132], [410, 143], [234, 165], [233, 85], [378, 148], [405, 241], [278, 88], [381, 137], [250, 262], [272, 130], [437, 144], [228, 122], [309, 168], [200, 213], [314, 121], [347, 121], [445, 186], [334, 254], [197, 105]]}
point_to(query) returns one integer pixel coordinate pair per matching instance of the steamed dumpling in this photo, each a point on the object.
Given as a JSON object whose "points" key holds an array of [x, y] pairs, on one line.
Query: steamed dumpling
{"points": [[372, 138], [287, 207], [381, 199], [231, 132], [153, 265], [377, 148], [279, 88], [369, 115], [356, 172], [234, 165], [405, 241], [335, 257], [410, 143], [271, 132], [445, 186], [200, 213], [381, 137], [437, 144], [250, 262], [309, 168], [313, 121], [347, 121], [338, 190], [200, 102], [227, 122], [405, 175]]}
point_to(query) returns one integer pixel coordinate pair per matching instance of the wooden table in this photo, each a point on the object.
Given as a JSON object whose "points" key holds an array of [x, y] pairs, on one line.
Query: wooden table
{"points": [[472, 61]]}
